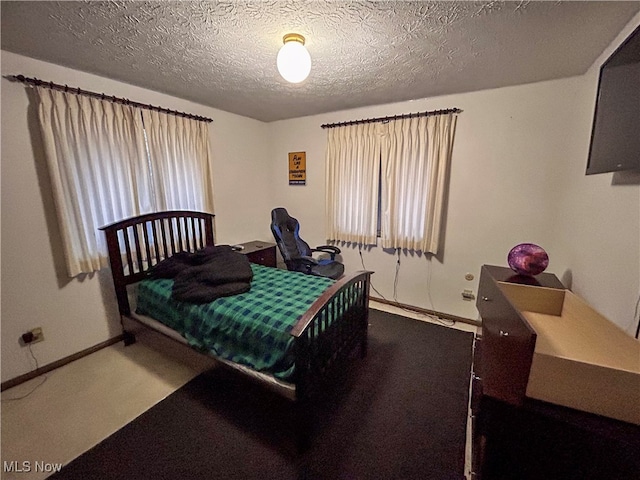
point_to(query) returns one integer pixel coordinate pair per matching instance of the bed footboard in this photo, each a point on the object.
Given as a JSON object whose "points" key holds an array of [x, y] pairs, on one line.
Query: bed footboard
{"points": [[328, 333]]}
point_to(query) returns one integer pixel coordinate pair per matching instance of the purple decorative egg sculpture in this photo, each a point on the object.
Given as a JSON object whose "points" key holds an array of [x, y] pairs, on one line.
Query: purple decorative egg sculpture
{"points": [[528, 259]]}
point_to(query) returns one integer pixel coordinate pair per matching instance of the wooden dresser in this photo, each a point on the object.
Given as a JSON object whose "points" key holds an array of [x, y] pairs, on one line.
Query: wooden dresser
{"points": [[556, 386]]}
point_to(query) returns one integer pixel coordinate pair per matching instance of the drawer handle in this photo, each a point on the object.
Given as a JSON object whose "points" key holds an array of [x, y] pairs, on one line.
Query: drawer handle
{"points": [[485, 299], [503, 333], [476, 377]]}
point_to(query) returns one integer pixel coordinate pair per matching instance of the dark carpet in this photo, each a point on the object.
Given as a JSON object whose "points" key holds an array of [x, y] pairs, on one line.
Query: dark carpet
{"points": [[400, 413]]}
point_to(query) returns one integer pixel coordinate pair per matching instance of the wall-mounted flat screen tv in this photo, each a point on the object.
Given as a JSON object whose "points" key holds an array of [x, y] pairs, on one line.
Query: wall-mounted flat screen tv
{"points": [[615, 135]]}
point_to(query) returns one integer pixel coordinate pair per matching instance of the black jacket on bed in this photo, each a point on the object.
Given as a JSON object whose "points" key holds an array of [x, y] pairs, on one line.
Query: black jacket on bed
{"points": [[210, 273]]}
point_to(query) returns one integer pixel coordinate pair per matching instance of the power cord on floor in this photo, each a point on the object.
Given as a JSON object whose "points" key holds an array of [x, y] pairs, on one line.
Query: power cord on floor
{"points": [[395, 280], [364, 268], [636, 316], [435, 318], [44, 379], [429, 283]]}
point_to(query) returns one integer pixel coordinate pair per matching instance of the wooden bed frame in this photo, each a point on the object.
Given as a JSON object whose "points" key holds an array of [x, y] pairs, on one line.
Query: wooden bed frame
{"points": [[324, 337]]}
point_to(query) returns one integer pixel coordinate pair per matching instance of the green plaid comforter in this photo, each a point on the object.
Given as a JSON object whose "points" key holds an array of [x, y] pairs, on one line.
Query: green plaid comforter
{"points": [[252, 328]]}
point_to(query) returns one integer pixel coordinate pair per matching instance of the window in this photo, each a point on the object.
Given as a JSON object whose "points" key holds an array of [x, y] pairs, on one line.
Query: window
{"points": [[353, 173], [109, 161], [396, 170]]}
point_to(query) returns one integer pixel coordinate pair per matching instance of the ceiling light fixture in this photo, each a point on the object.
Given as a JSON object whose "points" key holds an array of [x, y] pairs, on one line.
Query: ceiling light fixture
{"points": [[294, 61]]}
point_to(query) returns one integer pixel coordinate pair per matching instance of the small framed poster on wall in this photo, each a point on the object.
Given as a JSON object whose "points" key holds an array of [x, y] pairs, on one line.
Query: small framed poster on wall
{"points": [[298, 168]]}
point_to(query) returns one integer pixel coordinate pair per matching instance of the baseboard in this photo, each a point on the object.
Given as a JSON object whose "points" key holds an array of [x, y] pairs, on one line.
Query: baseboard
{"points": [[425, 311], [58, 363]]}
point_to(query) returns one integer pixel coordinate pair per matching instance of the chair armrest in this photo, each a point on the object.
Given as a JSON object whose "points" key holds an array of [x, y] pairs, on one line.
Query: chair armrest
{"points": [[330, 249]]}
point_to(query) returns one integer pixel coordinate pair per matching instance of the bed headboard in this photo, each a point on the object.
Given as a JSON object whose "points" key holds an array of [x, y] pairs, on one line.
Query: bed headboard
{"points": [[138, 243]]}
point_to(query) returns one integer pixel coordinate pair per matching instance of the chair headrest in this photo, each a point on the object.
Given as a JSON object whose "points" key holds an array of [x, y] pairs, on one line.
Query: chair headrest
{"points": [[281, 218]]}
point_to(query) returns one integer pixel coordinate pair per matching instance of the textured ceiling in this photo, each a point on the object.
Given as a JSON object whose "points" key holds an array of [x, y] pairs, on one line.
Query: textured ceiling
{"points": [[223, 54]]}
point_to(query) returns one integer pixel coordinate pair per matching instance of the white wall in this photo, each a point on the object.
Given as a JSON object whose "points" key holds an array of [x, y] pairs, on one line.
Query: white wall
{"points": [[518, 175], [598, 237], [501, 188], [76, 314]]}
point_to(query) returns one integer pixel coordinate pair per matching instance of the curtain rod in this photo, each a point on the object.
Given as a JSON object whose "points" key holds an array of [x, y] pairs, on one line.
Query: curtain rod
{"points": [[77, 91], [392, 117]]}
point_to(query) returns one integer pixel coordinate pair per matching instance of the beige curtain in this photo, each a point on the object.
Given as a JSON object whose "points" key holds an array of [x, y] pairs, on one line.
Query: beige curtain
{"points": [[180, 160], [416, 156], [97, 162], [353, 166]]}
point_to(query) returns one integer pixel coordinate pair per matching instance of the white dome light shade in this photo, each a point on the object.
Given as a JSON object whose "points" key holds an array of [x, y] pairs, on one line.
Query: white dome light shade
{"points": [[294, 61]]}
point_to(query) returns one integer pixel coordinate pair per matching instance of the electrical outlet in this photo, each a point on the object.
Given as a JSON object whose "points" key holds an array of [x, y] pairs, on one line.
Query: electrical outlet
{"points": [[34, 335], [468, 295], [38, 336]]}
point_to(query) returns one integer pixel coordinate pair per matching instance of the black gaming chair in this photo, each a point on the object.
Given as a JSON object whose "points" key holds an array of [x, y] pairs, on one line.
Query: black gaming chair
{"points": [[296, 252]]}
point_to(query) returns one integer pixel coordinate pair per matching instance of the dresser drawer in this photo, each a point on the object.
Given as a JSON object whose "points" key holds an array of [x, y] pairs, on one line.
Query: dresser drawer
{"points": [[266, 257], [507, 344], [476, 375]]}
